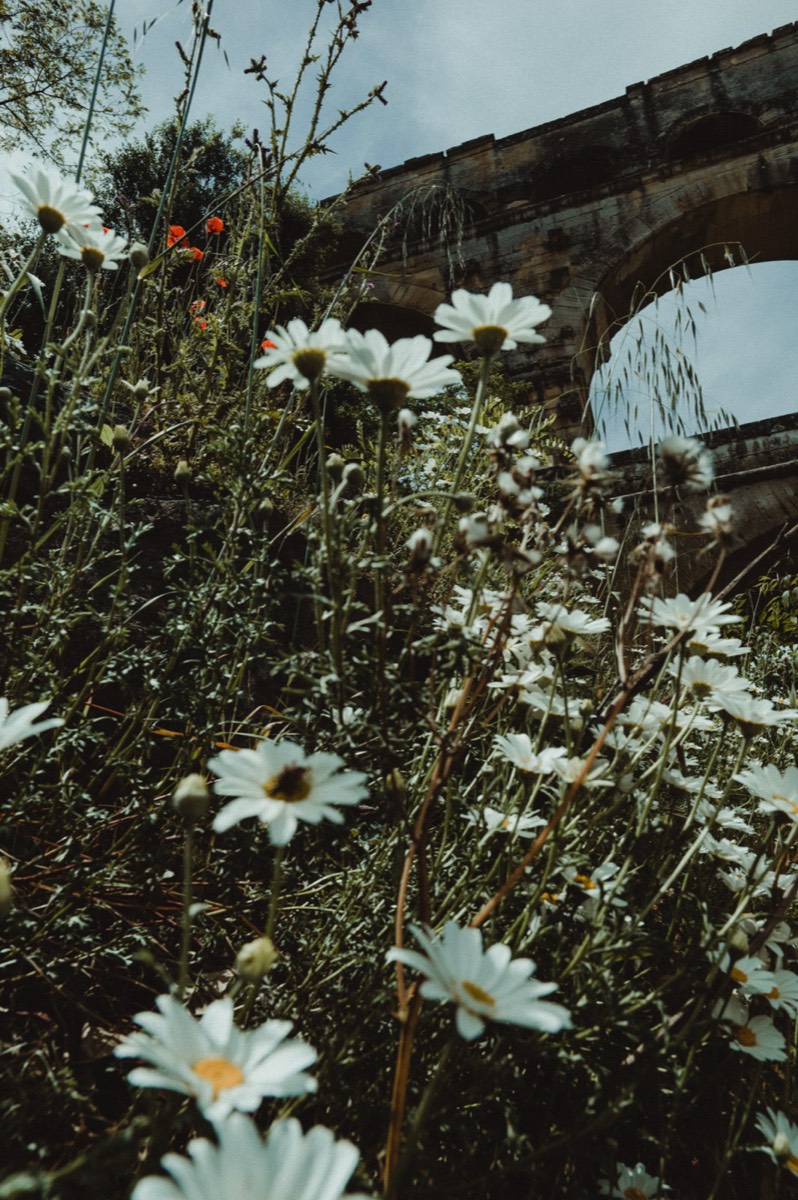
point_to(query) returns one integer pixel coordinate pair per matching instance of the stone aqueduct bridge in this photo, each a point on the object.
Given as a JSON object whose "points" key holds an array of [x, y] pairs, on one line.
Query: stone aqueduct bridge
{"points": [[589, 210]]}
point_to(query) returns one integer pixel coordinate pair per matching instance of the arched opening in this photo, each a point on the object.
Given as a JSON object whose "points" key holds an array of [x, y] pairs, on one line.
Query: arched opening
{"points": [[713, 131], [393, 320], [710, 353]]}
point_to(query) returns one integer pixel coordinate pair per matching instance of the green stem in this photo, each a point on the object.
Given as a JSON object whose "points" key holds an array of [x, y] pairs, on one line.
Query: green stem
{"points": [[188, 867]]}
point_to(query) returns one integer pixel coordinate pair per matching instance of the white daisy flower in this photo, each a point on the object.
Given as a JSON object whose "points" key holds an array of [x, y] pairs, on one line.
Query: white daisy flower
{"points": [[700, 616], [517, 749], [760, 1038], [221, 1066], [784, 993], [561, 622], [53, 201], [298, 354], [712, 645], [633, 1183], [486, 985], [706, 677], [752, 716], [287, 1165], [391, 374], [494, 322], [752, 976], [94, 246], [22, 723], [517, 824], [569, 770], [281, 786], [777, 791], [782, 1138]]}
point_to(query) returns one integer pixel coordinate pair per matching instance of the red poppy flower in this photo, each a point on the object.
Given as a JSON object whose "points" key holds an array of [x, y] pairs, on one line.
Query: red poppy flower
{"points": [[199, 321], [221, 282], [215, 225], [196, 253], [267, 345], [196, 306], [176, 236]]}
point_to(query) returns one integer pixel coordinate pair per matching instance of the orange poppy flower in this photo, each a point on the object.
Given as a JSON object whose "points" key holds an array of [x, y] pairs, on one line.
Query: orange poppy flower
{"points": [[196, 306], [196, 253], [221, 282], [176, 236], [199, 321], [267, 345], [214, 225]]}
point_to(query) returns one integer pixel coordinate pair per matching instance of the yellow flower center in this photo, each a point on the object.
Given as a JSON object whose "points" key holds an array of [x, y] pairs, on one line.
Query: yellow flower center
{"points": [[309, 362], [219, 1073], [489, 338], [550, 897], [477, 993], [50, 219], [738, 976], [634, 1193], [791, 1164], [292, 784], [388, 394], [745, 1036], [773, 994], [93, 258], [586, 882]]}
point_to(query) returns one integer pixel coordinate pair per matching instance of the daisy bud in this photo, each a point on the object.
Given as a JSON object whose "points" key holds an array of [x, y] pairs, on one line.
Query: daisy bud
{"points": [[89, 319], [464, 502], [406, 420], [6, 890], [355, 476], [255, 959], [138, 255], [5, 393], [739, 940], [191, 797], [183, 473], [120, 438], [420, 546], [335, 468]]}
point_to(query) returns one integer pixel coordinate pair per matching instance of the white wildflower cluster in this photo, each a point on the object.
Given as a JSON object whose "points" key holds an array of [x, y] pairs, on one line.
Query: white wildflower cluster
{"points": [[68, 211]]}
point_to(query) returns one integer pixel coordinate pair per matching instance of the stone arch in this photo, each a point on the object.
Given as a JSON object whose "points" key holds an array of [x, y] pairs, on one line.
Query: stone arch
{"points": [[709, 132], [754, 225]]}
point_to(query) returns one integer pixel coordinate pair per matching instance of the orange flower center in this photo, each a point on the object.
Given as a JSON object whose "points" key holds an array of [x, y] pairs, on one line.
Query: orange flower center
{"points": [[745, 1036], [219, 1073], [738, 976], [773, 994], [634, 1193], [587, 883], [477, 993], [791, 1164], [292, 784]]}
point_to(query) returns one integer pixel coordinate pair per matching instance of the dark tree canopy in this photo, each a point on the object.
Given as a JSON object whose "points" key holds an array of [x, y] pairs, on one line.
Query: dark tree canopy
{"points": [[49, 50], [129, 181]]}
